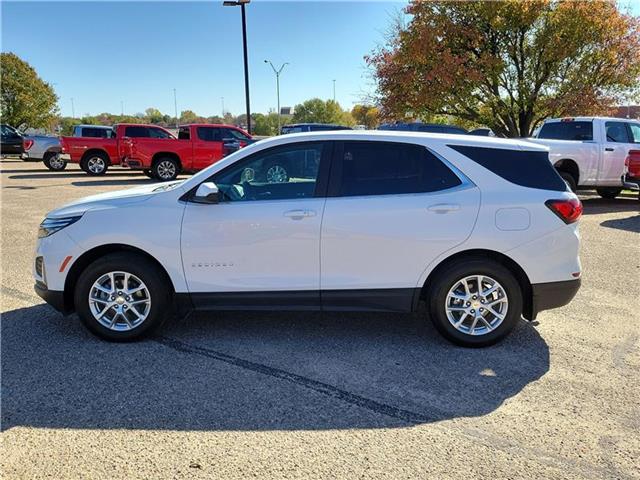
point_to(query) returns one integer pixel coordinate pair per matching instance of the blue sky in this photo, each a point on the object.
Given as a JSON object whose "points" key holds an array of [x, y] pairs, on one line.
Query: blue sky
{"points": [[102, 53]]}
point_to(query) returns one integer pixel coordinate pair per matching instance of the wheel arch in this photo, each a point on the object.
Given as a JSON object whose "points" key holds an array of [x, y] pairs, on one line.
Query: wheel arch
{"points": [[93, 254], [501, 258], [570, 166], [157, 156]]}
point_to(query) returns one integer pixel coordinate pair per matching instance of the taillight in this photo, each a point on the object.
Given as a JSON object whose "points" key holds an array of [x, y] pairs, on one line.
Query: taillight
{"points": [[569, 210], [27, 144], [632, 163]]}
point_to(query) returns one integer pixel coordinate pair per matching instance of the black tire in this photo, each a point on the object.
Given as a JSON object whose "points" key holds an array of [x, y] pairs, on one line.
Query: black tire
{"points": [[165, 169], [52, 161], [569, 180], [148, 173], [609, 193], [95, 163], [450, 276], [148, 272]]}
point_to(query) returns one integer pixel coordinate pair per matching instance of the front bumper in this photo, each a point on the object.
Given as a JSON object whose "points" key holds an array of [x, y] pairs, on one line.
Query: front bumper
{"points": [[52, 297], [546, 296]]}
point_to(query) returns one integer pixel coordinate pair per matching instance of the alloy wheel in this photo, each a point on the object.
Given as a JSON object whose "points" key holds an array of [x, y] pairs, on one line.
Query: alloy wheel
{"points": [[276, 174], [96, 165], [166, 170]]}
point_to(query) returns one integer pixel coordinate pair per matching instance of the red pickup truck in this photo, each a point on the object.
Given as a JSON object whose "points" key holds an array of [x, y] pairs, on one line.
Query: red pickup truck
{"points": [[96, 153], [197, 147]]}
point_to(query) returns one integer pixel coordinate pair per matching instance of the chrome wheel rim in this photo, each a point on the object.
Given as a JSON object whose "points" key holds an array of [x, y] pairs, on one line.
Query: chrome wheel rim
{"points": [[56, 162], [476, 305], [166, 170], [119, 301], [95, 165], [276, 174]]}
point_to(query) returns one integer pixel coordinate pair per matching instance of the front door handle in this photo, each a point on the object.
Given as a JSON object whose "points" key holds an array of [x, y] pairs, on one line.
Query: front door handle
{"points": [[609, 149], [444, 207], [299, 214]]}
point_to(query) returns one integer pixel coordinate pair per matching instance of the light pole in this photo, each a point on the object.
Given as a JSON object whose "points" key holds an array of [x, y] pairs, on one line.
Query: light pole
{"points": [[222, 100], [73, 109], [175, 106], [334, 91], [241, 4], [277, 71], [122, 108]]}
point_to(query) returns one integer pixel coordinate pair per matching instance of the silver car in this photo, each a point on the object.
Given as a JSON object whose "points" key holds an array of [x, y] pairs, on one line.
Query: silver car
{"points": [[43, 148]]}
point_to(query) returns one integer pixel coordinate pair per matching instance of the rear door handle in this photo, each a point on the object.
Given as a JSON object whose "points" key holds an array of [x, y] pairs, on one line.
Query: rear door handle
{"points": [[444, 207], [299, 214]]}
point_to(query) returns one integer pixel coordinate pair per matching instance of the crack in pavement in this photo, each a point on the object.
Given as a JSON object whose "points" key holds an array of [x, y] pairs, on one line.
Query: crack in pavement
{"points": [[412, 418], [19, 295]]}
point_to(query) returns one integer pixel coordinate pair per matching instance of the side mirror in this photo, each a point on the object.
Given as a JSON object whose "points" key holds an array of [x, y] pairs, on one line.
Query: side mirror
{"points": [[207, 192]]}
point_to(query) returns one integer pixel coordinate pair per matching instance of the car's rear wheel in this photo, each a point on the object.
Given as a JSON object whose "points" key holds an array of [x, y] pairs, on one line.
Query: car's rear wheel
{"points": [[609, 193], [569, 180], [122, 297], [475, 302], [53, 161], [95, 164], [165, 169]]}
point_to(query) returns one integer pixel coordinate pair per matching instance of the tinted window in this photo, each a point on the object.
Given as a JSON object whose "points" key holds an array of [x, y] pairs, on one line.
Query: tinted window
{"points": [[526, 168], [617, 132], [291, 130], [578, 131], [95, 132], [136, 132], [385, 168], [158, 133], [184, 133], [279, 173], [635, 132], [210, 134], [233, 133]]}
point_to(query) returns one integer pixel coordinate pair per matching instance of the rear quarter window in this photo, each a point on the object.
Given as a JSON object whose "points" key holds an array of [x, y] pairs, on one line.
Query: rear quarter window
{"points": [[526, 168]]}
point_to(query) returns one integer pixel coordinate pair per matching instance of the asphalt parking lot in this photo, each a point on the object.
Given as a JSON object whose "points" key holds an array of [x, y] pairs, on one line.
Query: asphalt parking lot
{"points": [[294, 395]]}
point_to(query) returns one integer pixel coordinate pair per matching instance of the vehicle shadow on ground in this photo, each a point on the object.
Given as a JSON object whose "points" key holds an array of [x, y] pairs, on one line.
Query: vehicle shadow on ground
{"points": [[602, 205], [278, 371], [74, 174], [142, 180], [631, 224]]}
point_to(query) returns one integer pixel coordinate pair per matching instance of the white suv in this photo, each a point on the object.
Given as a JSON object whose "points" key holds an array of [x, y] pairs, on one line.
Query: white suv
{"points": [[484, 230]]}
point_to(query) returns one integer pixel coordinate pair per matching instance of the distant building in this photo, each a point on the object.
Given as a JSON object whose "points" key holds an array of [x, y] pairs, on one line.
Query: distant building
{"points": [[286, 110], [630, 111]]}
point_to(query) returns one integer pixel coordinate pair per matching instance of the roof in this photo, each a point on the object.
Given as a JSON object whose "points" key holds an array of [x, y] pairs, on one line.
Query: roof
{"points": [[106, 127]]}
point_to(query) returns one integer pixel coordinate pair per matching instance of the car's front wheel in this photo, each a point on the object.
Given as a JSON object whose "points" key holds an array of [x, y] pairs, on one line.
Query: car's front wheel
{"points": [[475, 302], [122, 297], [95, 164], [609, 193]]}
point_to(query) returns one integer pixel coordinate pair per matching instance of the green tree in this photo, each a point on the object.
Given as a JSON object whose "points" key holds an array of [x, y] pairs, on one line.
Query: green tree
{"points": [[187, 116], [26, 100], [508, 64], [154, 115], [367, 115], [266, 125], [316, 110]]}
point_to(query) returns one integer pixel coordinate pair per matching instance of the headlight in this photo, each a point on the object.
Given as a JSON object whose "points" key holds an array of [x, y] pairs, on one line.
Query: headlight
{"points": [[52, 225]]}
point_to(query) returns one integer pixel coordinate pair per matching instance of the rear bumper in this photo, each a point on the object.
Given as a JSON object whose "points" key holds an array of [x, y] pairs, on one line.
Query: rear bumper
{"points": [[52, 297], [546, 296], [630, 183]]}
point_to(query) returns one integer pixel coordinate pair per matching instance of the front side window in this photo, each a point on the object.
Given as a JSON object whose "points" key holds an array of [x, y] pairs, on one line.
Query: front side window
{"points": [[617, 132], [385, 168], [210, 134], [635, 132], [567, 130], [288, 172], [233, 133], [158, 133]]}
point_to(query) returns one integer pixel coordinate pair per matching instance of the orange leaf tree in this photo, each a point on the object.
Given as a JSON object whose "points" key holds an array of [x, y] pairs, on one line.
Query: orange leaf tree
{"points": [[508, 64]]}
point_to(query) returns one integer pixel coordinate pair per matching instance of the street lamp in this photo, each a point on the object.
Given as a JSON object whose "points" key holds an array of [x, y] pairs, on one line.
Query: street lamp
{"points": [[175, 107], [277, 72], [241, 4]]}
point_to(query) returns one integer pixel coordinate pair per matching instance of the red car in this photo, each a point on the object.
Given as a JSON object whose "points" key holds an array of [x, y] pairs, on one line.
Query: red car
{"points": [[96, 154], [197, 147]]}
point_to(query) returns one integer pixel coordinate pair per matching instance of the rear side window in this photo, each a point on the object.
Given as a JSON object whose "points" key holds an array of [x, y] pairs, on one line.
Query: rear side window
{"points": [[578, 131], [210, 134], [386, 168], [522, 167], [95, 132], [136, 132]]}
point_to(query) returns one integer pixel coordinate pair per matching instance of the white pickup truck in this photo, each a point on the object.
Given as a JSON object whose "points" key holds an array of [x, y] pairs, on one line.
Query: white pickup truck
{"points": [[593, 152]]}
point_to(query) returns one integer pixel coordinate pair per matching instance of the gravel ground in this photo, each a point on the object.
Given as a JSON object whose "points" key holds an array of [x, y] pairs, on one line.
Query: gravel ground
{"points": [[318, 396]]}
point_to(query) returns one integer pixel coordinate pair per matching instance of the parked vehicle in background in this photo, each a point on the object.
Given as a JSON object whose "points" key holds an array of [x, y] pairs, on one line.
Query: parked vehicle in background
{"points": [[482, 132], [311, 127], [197, 147], [372, 221], [97, 148], [45, 149], [422, 127], [592, 152], [10, 140]]}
